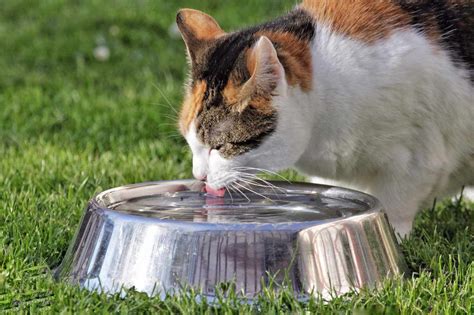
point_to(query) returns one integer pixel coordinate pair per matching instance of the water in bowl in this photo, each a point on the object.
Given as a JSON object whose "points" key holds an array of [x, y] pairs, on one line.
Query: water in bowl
{"points": [[264, 205]]}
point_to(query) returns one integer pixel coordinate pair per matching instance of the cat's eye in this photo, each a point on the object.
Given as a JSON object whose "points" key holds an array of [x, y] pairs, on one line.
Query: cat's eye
{"points": [[217, 147]]}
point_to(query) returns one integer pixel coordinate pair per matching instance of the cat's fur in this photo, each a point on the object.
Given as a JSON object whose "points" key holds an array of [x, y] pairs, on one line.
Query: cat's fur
{"points": [[376, 95]]}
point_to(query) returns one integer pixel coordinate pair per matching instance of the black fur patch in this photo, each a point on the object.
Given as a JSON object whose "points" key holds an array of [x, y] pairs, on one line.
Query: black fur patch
{"points": [[221, 58], [454, 21]]}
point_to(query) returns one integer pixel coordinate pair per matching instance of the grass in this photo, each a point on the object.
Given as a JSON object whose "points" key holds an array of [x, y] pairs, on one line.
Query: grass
{"points": [[71, 126]]}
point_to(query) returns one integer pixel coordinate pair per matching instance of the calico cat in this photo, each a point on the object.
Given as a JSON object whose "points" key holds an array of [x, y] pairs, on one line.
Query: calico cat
{"points": [[374, 94]]}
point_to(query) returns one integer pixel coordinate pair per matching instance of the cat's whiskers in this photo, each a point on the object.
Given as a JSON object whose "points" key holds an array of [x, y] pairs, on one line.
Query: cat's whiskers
{"points": [[166, 106], [263, 171], [230, 193], [245, 196], [253, 183], [253, 180], [252, 191], [226, 175], [269, 184], [239, 181], [165, 98], [256, 178], [171, 135], [173, 119]]}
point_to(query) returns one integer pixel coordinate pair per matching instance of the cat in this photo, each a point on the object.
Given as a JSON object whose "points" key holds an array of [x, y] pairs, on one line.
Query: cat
{"points": [[376, 95]]}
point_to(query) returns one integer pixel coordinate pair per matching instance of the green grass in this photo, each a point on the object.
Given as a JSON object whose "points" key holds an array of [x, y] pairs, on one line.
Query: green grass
{"points": [[71, 126]]}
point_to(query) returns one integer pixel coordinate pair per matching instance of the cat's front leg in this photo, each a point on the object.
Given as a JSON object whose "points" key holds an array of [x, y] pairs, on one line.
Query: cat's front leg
{"points": [[402, 224], [401, 197], [400, 206]]}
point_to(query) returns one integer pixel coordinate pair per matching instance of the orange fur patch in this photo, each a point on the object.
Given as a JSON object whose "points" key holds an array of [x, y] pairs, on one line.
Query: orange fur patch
{"points": [[263, 104], [238, 99], [231, 93], [366, 20], [432, 31], [295, 56], [201, 25], [191, 106]]}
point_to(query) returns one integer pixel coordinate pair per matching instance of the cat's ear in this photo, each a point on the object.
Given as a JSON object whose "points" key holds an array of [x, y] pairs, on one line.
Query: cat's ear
{"points": [[197, 29], [266, 71]]}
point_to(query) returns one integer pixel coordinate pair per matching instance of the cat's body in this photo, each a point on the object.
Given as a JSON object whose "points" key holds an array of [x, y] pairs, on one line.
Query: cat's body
{"points": [[376, 95]]}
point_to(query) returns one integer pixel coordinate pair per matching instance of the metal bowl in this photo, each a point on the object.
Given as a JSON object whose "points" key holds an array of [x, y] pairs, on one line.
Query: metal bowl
{"points": [[158, 237]]}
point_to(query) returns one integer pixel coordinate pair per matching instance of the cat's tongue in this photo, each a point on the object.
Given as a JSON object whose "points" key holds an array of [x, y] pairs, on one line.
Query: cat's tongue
{"points": [[215, 192]]}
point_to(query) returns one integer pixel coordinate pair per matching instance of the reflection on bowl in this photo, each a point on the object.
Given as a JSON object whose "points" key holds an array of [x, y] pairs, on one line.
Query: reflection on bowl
{"points": [[158, 237]]}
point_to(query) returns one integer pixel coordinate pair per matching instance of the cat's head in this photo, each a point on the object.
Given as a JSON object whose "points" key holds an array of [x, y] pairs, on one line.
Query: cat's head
{"points": [[237, 114]]}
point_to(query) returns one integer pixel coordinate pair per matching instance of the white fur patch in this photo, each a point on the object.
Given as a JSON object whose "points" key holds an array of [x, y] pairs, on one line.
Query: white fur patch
{"points": [[469, 194], [209, 163], [200, 153]]}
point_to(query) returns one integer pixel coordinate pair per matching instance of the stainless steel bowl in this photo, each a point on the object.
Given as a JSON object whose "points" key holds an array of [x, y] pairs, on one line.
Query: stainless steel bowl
{"points": [[158, 237]]}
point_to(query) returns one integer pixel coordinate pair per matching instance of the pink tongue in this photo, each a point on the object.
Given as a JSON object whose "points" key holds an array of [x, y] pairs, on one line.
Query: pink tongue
{"points": [[215, 192]]}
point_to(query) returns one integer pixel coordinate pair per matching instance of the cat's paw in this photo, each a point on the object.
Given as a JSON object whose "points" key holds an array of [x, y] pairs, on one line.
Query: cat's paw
{"points": [[402, 229]]}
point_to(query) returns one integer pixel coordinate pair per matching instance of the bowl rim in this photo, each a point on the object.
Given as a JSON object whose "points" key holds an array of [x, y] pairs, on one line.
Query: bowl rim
{"points": [[102, 201]]}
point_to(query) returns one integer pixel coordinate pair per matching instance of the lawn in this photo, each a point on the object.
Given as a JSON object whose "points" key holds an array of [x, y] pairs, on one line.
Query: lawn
{"points": [[73, 123]]}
